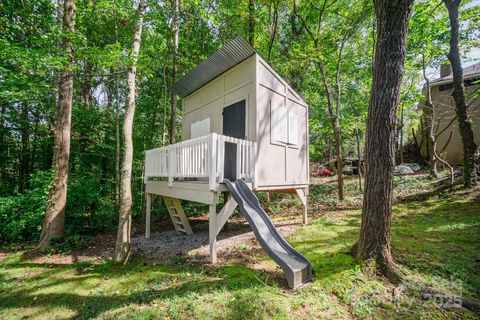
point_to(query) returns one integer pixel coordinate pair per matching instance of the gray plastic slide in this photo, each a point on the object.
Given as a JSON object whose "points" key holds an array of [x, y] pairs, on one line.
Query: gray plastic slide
{"points": [[296, 267]]}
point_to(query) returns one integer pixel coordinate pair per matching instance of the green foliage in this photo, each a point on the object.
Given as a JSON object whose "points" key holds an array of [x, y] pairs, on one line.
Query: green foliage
{"points": [[21, 215], [90, 206]]}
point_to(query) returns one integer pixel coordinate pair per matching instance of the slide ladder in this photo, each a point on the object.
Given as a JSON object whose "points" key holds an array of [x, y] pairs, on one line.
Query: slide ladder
{"points": [[179, 219], [296, 267]]}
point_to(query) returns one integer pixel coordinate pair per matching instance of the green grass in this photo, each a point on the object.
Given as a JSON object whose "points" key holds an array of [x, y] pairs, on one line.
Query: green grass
{"points": [[435, 238]]}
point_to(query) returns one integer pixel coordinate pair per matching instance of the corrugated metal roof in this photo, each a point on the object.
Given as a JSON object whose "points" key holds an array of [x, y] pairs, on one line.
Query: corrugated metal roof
{"points": [[224, 59]]}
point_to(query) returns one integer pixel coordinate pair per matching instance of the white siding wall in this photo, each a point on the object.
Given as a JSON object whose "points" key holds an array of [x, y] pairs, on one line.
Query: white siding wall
{"points": [[280, 163], [232, 86]]}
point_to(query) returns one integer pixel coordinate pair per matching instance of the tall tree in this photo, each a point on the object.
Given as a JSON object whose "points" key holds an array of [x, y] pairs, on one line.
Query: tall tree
{"points": [[122, 246], [374, 245], [464, 123], [175, 30], [333, 91], [54, 221]]}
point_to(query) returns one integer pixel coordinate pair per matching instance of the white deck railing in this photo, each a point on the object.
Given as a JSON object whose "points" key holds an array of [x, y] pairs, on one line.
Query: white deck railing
{"points": [[201, 157]]}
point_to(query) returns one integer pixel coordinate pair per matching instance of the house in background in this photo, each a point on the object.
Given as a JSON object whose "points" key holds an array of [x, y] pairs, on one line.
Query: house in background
{"points": [[449, 141]]}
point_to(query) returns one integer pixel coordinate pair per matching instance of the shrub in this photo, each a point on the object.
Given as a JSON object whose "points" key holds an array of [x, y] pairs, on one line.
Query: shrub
{"points": [[21, 215]]}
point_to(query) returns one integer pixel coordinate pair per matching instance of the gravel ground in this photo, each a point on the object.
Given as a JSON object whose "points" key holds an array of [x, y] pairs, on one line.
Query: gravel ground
{"points": [[167, 244]]}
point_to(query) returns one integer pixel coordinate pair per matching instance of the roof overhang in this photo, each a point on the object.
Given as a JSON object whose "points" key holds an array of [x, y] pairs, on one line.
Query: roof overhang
{"points": [[230, 55]]}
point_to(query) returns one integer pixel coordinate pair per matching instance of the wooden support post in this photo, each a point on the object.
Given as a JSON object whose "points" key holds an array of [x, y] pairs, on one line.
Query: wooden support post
{"points": [[303, 194], [148, 212], [305, 212], [212, 230], [225, 213]]}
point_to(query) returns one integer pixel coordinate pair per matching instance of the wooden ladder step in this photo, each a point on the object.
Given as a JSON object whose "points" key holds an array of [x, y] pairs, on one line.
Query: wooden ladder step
{"points": [[179, 219]]}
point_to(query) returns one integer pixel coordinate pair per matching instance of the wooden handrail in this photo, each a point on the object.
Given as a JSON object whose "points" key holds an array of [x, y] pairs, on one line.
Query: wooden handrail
{"points": [[202, 157]]}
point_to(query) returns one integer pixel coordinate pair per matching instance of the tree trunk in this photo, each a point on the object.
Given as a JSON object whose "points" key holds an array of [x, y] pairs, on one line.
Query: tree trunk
{"points": [[335, 127], [338, 151], [251, 22], [374, 246], [175, 30], [87, 83], [24, 154], [3, 142], [434, 157], [33, 153], [359, 154], [335, 116], [401, 132], [117, 148], [464, 122], [430, 112], [122, 246], [53, 225], [117, 123], [274, 29], [165, 99]]}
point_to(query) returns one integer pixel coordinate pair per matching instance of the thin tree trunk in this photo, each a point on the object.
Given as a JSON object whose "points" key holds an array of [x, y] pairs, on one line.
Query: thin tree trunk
{"points": [[464, 122], [53, 225], [251, 22], [435, 158], [122, 246], [24, 154], [431, 115], [275, 28], [87, 84], [117, 123], [117, 148], [359, 154], [3, 142], [374, 245], [401, 132], [334, 116], [33, 153], [175, 30], [165, 90]]}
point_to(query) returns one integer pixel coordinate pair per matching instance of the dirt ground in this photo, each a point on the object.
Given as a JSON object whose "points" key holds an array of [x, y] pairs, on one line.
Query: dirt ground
{"points": [[233, 242]]}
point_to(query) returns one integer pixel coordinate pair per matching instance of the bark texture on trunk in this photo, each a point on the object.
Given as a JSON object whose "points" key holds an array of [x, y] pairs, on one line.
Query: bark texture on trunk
{"points": [[374, 245], [464, 122], [175, 30], [54, 221], [122, 246]]}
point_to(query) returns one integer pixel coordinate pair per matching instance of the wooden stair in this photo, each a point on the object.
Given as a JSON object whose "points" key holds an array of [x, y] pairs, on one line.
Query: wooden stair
{"points": [[179, 219]]}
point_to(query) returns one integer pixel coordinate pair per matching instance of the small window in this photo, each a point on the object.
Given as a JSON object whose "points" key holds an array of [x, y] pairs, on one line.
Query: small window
{"points": [[284, 125], [279, 124], [200, 128], [292, 128]]}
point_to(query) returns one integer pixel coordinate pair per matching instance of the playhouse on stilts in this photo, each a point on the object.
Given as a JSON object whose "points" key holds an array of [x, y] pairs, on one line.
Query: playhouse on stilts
{"points": [[244, 130]]}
